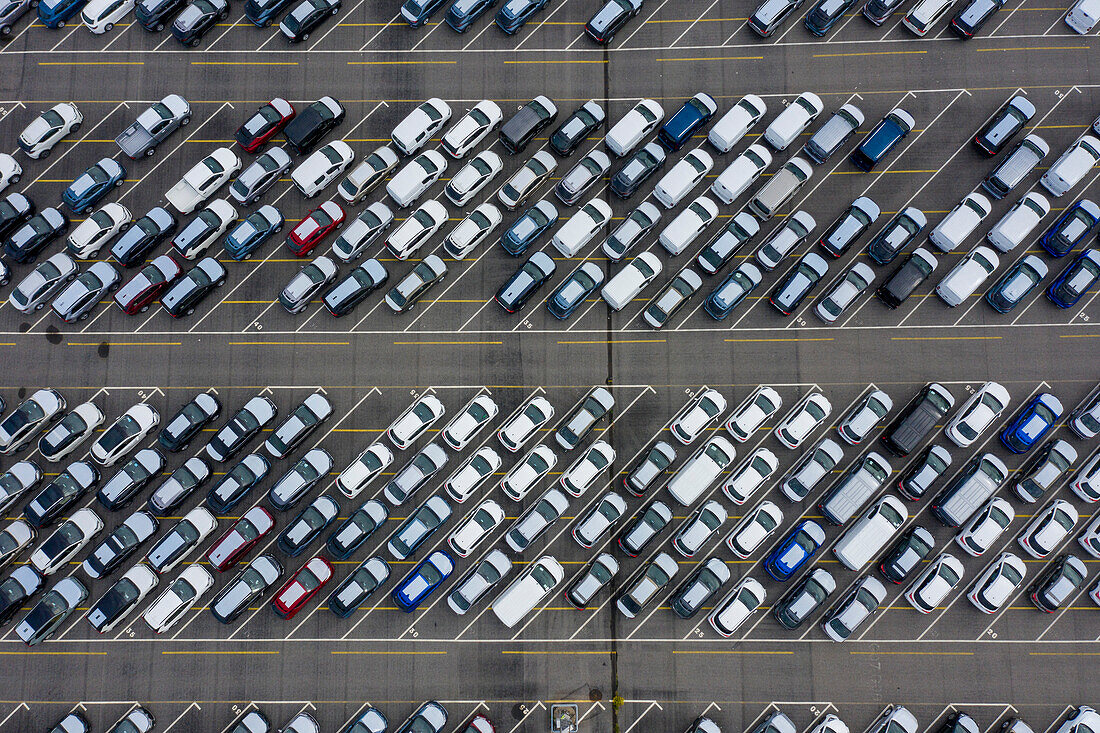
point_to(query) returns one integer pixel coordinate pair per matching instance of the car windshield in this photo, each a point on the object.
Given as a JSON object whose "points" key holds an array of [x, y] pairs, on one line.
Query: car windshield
{"points": [[126, 427]]}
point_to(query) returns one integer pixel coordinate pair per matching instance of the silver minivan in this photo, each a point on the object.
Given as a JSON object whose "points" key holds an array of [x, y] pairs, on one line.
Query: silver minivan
{"points": [[774, 195], [978, 481], [1016, 166], [859, 483], [833, 134]]}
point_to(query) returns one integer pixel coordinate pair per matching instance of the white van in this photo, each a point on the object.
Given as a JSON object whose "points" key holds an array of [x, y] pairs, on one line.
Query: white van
{"points": [[581, 227], [526, 591], [632, 128], [1083, 15], [741, 173], [791, 122], [701, 470], [631, 280], [967, 276], [728, 131], [1068, 170], [960, 222], [870, 533], [1015, 226]]}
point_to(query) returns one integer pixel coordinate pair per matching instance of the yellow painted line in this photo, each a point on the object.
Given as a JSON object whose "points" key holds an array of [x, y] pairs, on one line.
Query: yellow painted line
{"points": [[244, 63], [221, 651], [91, 63], [729, 651], [131, 343], [533, 651], [448, 343], [1064, 654], [749, 341], [397, 63], [945, 338], [290, 343], [621, 341], [1065, 336], [562, 61], [1038, 48], [865, 53], [717, 58], [928, 654], [346, 651], [56, 654]]}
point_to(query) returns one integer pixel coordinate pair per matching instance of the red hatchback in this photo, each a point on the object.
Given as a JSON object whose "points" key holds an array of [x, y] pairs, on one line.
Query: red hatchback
{"points": [[302, 586], [264, 125], [241, 537], [145, 287], [318, 224]]}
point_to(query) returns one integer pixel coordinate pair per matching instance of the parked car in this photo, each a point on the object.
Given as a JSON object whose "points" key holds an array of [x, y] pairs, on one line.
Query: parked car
{"points": [[536, 519], [527, 472], [366, 176], [804, 599], [906, 554], [309, 281], [63, 544], [681, 178], [314, 122], [240, 538], [593, 578], [610, 18], [120, 600], [795, 550], [27, 241], [178, 598], [485, 116], [1039, 473], [525, 282], [1076, 280], [746, 597], [250, 584], [538, 114], [899, 232], [60, 494], [859, 604], [844, 292], [736, 123], [1077, 160], [934, 584], [532, 174], [770, 15], [576, 128], [733, 290], [418, 527], [883, 138], [315, 227], [909, 276], [197, 18], [188, 533], [302, 476], [302, 587], [1047, 529], [301, 531], [422, 580], [356, 529], [352, 593], [998, 582], [237, 482], [645, 527], [656, 575]]}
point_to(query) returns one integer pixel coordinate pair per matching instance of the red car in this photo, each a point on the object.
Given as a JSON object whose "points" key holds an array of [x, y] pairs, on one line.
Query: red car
{"points": [[479, 724], [264, 125], [302, 586], [241, 537], [318, 224], [145, 287]]}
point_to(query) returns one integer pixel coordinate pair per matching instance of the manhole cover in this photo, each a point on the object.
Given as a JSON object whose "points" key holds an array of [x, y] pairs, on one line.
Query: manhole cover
{"points": [[595, 695]]}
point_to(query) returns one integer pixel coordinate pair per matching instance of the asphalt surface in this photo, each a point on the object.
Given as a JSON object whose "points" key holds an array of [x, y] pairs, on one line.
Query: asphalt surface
{"points": [[457, 342]]}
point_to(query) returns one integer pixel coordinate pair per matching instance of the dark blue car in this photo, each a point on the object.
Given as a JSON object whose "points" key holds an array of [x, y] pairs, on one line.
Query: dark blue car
{"points": [[1016, 284], [1035, 420], [92, 185], [1076, 279], [890, 131], [528, 228], [679, 128], [417, 12], [795, 551], [734, 289], [515, 13], [1071, 229], [462, 13], [264, 12], [825, 14], [143, 236], [422, 580], [55, 13], [574, 290], [247, 236]]}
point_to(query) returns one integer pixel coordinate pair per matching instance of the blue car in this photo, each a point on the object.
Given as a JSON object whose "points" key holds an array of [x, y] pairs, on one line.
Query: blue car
{"points": [[462, 13], [55, 13], [734, 289], [422, 580], [515, 13], [263, 13], [1076, 279], [1034, 421], [92, 185], [529, 227], [417, 12], [247, 236], [891, 130], [1016, 284], [1071, 229], [679, 128], [795, 551], [574, 290]]}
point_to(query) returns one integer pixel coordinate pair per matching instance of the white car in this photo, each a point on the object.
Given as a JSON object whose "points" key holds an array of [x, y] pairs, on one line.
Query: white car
{"points": [[579, 229], [599, 520], [754, 529], [17, 536], [579, 477], [415, 420], [416, 177], [419, 227], [70, 537], [525, 423], [630, 281], [932, 586], [475, 527], [960, 222], [864, 416], [841, 295], [15, 482], [35, 413], [1089, 539], [472, 473], [681, 178], [204, 178], [1082, 17], [72, 430], [523, 476], [97, 230], [367, 175], [471, 128], [1086, 482], [474, 229], [364, 469], [100, 16], [685, 228], [792, 121], [49, 128], [750, 475], [733, 125], [977, 414], [967, 276], [530, 176], [982, 530], [1078, 159], [750, 415], [10, 171], [371, 223], [742, 601], [1045, 532], [803, 419], [998, 583], [1020, 221], [697, 415], [529, 589], [634, 126], [699, 528], [419, 125], [472, 177], [141, 578], [132, 427], [322, 167], [741, 173], [178, 598], [469, 421]]}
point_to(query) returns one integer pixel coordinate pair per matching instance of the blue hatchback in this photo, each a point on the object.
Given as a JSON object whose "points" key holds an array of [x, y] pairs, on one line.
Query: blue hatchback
{"points": [[529, 227], [247, 236], [1034, 421], [462, 13], [795, 551], [679, 128], [55, 13], [417, 12], [1071, 229], [1076, 279], [92, 185], [574, 290], [424, 578], [515, 13]]}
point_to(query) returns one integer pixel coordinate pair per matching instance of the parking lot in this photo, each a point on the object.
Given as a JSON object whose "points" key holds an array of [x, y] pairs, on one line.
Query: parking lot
{"points": [[656, 672]]}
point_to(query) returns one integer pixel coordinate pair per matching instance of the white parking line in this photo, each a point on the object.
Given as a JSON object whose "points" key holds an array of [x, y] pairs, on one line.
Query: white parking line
{"points": [[370, 40]]}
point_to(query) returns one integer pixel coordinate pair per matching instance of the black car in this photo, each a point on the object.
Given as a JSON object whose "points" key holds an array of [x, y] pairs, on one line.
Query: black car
{"points": [[849, 226], [313, 123], [995, 134], [350, 595], [1058, 583], [179, 485], [699, 588], [192, 287], [235, 485], [973, 16], [51, 611], [152, 15], [637, 170], [923, 413], [264, 12], [907, 278], [803, 599], [15, 209], [197, 18], [135, 474], [134, 245], [256, 579], [825, 14], [906, 554], [301, 531], [189, 421], [581, 284], [298, 425], [353, 288], [899, 233], [306, 16], [61, 493], [24, 244], [799, 283], [607, 21], [531, 119], [519, 288], [356, 529], [109, 554], [576, 128]]}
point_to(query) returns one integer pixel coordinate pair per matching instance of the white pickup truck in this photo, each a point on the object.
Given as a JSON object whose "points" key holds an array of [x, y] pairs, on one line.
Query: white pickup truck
{"points": [[204, 178]]}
